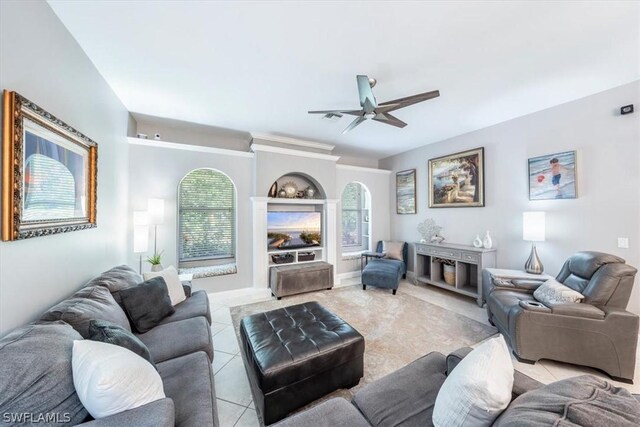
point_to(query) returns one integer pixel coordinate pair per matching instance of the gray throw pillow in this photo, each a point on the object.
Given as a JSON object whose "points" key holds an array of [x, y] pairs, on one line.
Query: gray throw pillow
{"points": [[393, 250], [36, 376], [117, 278], [553, 292], [90, 303], [147, 304], [579, 401], [100, 330]]}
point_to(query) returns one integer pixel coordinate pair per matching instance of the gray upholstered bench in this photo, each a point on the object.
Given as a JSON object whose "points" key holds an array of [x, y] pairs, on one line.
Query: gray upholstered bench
{"points": [[286, 280], [295, 355]]}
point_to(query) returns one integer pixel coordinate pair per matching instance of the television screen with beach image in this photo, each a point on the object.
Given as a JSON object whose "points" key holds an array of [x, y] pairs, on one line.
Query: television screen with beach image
{"points": [[553, 176], [292, 230]]}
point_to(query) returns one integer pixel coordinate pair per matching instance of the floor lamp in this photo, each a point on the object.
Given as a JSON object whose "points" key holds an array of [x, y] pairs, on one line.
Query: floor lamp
{"points": [[155, 208], [140, 234]]}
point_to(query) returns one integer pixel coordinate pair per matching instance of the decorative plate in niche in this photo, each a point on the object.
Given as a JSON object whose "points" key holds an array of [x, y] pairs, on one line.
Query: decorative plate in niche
{"points": [[290, 190]]}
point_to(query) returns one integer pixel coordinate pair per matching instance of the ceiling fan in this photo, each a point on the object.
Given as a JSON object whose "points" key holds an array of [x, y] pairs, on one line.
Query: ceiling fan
{"points": [[371, 110]]}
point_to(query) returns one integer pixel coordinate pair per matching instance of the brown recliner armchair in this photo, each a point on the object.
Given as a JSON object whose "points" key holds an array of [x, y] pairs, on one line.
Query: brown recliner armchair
{"points": [[598, 332]]}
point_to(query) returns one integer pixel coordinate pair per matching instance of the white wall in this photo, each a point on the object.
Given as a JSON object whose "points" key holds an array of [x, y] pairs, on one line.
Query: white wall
{"points": [[378, 183], [608, 180], [40, 60], [156, 172]]}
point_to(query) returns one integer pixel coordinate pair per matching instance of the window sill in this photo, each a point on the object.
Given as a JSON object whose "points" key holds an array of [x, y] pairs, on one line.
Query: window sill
{"points": [[211, 270], [349, 256]]}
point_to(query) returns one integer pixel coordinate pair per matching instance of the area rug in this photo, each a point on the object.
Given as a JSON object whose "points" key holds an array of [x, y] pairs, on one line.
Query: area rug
{"points": [[397, 328]]}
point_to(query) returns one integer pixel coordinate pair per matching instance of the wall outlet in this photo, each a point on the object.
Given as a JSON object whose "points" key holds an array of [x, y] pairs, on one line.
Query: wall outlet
{"points": [[623, 242]]}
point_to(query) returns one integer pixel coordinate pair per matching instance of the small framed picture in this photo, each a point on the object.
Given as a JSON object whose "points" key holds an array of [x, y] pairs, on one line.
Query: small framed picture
{"points": [[406, 192], [553, 176]]}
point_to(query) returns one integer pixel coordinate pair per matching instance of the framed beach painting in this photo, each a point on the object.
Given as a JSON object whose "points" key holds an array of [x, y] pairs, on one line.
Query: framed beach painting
{"points": [[553, 176], [457, 180], [406, 192], [49, 173]]}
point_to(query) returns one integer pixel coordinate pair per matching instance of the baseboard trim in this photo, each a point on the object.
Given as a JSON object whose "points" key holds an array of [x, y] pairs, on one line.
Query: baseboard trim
{"points": [[345, 276]]}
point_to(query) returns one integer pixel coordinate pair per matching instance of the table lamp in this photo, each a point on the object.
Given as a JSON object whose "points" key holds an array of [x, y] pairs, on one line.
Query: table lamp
{"points": [[533, 230], [140, 234]]}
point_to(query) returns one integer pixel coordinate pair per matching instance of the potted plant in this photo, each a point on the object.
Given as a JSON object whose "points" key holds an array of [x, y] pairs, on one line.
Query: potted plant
{"points": [[156, 261]]}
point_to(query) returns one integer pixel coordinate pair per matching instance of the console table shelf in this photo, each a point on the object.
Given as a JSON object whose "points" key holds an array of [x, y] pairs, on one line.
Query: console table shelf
{"points": [[469, 262]]}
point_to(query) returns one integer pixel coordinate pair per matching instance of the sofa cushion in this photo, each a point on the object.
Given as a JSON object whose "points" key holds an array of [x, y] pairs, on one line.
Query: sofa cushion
{"points": [[89, 303], [147, 304], [477, 391], [106, 332], [196, 305], [178, 338], [553, 292], [333, 412], [110, 379], [188, 380], [116, 279], [171, 279], [405, 397], [578, 401], [35, 372]]}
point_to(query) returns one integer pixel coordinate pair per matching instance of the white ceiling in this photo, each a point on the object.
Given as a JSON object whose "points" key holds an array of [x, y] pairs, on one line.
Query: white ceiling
{"points": [[259, 66]]}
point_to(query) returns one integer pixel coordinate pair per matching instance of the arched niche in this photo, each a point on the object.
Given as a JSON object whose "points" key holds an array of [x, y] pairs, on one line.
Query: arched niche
{"points": [[299, 181]]}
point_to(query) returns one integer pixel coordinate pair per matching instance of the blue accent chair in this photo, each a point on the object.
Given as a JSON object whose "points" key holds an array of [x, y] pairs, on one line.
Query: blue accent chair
{"points": [[385, 272]]}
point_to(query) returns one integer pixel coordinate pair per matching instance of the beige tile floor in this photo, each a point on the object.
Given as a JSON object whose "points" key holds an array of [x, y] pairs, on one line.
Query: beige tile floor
{"points": [[235, 405]]}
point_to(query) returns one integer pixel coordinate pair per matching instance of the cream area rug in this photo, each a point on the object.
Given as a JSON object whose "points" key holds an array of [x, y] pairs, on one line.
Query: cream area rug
{"points": [[397, 329]]}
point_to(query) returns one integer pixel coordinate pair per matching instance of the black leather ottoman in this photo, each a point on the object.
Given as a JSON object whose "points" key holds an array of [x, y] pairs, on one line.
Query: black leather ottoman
{"points": [[295, 355]]}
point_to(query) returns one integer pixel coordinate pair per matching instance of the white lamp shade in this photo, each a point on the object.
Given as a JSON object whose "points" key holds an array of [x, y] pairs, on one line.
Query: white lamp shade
{"points": [[156, 211], [533, 226], [141, 218], [140, 238]]}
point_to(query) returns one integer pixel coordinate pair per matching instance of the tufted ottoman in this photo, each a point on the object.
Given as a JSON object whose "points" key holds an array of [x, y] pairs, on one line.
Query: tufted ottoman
{"points": [[295, 355]]}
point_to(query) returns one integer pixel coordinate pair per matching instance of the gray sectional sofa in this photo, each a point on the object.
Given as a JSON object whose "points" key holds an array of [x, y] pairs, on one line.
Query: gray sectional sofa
{"points": [[407, 397], [36, 377]]}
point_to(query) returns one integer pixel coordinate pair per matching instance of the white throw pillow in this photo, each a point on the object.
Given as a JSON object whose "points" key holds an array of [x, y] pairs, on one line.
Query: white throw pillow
{"points": [[478, 389], [174, 285], [110, 379], [393, 250], [553, 292]]}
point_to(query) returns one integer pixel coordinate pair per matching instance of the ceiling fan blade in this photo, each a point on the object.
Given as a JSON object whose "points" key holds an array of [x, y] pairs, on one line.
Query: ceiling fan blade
{"points": [[405, 102], [351, 112], [353, 124], [367, 100], [390, 120]]}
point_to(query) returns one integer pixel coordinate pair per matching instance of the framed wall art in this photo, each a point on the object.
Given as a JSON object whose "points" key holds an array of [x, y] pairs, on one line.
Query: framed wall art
{"points": [[457, 180], [49, 173], [553, 176], [406, 192]]}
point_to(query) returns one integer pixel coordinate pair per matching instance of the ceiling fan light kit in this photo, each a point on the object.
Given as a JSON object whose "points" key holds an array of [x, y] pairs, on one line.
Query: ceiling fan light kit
{"points": [[371, 110]]}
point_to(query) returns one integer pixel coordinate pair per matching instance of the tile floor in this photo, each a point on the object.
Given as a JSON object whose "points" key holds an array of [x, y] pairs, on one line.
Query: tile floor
{"points": [[235, 404]]}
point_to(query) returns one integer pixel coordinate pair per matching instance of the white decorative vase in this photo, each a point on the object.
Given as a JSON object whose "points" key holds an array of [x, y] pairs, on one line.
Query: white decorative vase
{"points": [[487, 242], [157, 267], [477, 242]]}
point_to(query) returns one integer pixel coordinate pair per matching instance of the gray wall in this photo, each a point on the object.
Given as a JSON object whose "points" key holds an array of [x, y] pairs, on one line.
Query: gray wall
{"points": [[156, 173], [608, 181], [40, 60]]}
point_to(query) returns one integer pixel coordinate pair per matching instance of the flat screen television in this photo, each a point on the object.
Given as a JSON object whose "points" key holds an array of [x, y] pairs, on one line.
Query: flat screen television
{"points": [[294, 230]]}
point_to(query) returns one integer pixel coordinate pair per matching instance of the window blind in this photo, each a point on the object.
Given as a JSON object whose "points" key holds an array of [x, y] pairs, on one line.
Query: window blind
{"points": [[352, 215], [207, 215]]}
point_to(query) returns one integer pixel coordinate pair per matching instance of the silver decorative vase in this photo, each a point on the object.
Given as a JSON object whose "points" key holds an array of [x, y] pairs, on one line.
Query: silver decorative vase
{"points": [[157, 267], [533, 264]]}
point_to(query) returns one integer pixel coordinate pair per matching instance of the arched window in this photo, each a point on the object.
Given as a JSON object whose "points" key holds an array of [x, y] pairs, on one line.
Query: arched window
{"points": [[356, 224], [206, 217]]}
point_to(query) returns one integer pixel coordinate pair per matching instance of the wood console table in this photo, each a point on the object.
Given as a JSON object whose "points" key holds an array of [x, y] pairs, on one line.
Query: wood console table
{"points": [[469, 262]]}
